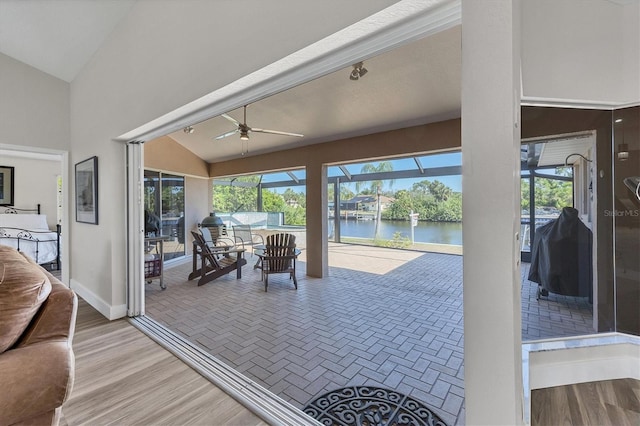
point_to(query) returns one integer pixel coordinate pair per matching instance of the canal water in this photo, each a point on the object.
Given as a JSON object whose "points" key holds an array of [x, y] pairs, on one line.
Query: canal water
{"points": [[424, 232]]}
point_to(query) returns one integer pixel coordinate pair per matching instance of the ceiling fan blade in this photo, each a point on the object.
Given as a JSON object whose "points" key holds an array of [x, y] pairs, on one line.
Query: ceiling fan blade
{"points": [[224, 135], [276, 132], [231, 119]]}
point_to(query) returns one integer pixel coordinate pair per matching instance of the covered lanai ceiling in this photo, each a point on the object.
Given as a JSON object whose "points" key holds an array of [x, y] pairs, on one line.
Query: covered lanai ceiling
{"points": [[414, 84]]}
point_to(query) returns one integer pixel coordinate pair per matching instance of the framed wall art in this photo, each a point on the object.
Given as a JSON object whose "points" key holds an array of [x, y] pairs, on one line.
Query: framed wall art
{"points": [[6, 185], [87, 191]]}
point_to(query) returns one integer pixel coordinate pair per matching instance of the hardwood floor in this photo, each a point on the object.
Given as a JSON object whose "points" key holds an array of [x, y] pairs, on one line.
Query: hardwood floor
{"points": [[608, 402], [125, 378]]}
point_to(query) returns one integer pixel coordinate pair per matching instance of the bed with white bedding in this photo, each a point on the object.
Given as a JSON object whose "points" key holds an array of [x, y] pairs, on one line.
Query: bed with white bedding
{"points": [[27, 231]]}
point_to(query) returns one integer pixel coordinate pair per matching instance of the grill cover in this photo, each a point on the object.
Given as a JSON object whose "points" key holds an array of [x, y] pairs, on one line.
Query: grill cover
{"points": [[561, 256]]}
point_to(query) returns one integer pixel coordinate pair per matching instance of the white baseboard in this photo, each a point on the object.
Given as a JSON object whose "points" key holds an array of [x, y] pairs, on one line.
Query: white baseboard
{"points": [[580, 359], [581, 365], [107, 310]]}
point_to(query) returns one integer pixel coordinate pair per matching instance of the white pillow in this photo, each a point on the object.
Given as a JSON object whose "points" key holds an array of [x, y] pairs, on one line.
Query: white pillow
{"points": [[24, 221]]}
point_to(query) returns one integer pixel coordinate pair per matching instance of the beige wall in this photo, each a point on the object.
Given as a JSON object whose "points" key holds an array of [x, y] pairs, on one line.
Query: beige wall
{"points": [[167, 155], [444, 135]]}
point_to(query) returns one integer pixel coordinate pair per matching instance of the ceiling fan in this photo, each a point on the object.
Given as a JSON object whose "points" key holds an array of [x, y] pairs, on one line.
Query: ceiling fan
{"points": [[244, 129]]}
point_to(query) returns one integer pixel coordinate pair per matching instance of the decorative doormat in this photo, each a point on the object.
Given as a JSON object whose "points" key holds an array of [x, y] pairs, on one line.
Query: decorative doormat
{"points": [[370, 406]]}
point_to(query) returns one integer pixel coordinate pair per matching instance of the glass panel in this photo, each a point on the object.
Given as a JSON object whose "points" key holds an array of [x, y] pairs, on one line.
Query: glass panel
{"points": [[331, 212], [525, 218], [441, 160], [552, 195], [333, 171], [284, 176], [556, 245], [242, 200], [626, 215], [152, 202], [240, 195], [173, 215], [377, 211]]}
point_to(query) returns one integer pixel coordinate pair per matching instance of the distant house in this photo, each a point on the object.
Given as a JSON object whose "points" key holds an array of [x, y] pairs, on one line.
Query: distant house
{"points": [[366, 203]]}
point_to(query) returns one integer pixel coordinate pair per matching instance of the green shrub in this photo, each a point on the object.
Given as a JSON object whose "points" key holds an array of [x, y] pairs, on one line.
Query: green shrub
{"points": [[398, 241]]}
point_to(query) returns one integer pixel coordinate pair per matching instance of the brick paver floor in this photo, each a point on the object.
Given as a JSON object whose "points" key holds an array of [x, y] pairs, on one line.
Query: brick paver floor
{"points": [[553, 315], [399, 327]]}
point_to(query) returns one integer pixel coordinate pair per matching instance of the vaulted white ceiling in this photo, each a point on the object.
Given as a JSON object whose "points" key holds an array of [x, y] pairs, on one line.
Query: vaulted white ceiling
{"points": [[57, 36]]}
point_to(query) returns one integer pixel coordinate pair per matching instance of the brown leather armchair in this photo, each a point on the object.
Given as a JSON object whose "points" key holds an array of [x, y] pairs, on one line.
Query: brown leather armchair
{"points": [[37, 322]]}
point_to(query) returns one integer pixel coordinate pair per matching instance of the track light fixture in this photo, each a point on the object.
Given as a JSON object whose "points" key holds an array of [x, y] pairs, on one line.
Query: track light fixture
{"points": [[358, 71], [189, 130]]}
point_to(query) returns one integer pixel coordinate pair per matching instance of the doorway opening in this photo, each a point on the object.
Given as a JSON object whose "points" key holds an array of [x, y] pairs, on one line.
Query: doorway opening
{"points": [[164, 207], [558, 180]]}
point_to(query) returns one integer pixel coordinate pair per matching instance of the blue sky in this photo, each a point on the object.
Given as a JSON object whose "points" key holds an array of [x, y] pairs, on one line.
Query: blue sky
{"points": [[427, 161]]}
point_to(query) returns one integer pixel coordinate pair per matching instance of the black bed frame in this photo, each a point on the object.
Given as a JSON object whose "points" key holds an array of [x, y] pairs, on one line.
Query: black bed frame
{"points": [[29, 235]]}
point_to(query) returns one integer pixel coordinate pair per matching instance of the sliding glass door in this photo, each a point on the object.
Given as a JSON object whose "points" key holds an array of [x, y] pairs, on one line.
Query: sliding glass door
{"points": [[164, 210]]}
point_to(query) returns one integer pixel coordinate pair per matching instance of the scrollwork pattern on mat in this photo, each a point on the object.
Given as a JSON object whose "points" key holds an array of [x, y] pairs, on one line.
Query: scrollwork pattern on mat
{"points": [[370, 406]]}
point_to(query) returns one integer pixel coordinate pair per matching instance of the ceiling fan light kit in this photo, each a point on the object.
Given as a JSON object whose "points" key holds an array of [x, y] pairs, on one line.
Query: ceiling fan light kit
{"points": [[244, 129]]}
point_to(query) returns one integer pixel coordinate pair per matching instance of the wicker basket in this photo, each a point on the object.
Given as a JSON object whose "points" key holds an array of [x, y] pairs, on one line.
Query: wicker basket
{"points": [[152, 268]]}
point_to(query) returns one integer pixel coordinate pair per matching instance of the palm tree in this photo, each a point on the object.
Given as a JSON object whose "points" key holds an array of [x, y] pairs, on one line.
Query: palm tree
{"points": [[375, 187]]}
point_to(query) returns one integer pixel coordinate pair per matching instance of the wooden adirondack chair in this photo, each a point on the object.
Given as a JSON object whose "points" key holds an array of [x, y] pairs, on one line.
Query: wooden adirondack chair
{"points": [[214, 263], [280, 257]]}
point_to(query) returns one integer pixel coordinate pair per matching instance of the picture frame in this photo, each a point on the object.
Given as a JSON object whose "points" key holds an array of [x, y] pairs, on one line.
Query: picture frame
{"points": [[86, 174], [7, 185]]}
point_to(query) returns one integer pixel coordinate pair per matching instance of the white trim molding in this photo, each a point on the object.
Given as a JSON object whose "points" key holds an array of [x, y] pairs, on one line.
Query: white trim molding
{"points": [[575, 103], [108, 311], [564, 361]]}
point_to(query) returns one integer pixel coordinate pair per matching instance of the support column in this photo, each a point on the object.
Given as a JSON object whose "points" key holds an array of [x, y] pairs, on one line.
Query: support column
{"points": [[317, 221], [336, 210], [491, 211]]}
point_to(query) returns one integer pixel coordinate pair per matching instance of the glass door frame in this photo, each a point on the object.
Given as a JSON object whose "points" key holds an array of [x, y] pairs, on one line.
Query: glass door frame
{"points": [[532, 174]]}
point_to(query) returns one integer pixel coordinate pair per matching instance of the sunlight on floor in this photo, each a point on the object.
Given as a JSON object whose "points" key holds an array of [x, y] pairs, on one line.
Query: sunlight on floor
{"points": [[373, 260]]}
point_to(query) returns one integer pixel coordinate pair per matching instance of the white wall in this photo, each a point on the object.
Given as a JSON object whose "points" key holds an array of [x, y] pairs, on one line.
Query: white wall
{"points": [[587, 50], [163, 55], [35, 182], [34, 107]]}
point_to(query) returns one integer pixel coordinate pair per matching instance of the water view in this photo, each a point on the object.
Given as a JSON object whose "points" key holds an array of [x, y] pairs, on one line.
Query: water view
{"points": [[424, 232]]}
